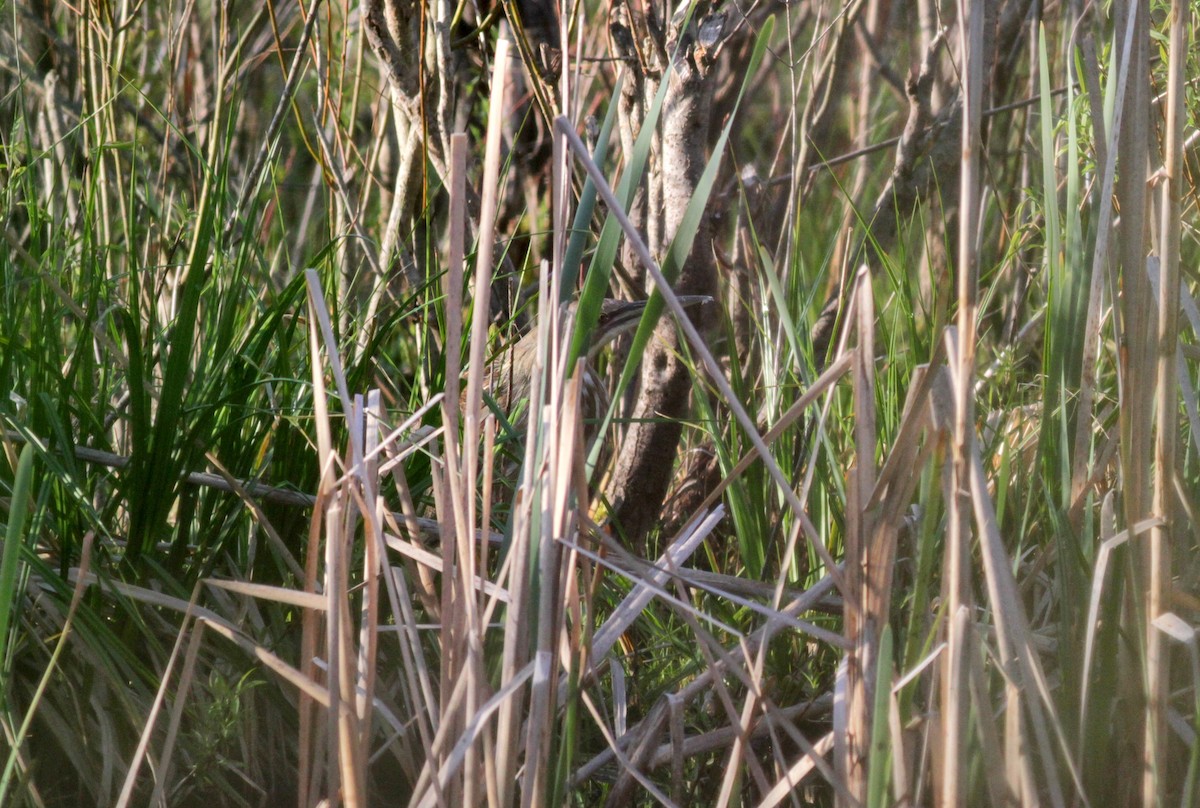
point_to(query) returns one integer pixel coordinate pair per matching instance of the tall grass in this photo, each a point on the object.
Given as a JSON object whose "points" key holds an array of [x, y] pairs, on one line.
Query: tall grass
{"points": [[261, 544]]}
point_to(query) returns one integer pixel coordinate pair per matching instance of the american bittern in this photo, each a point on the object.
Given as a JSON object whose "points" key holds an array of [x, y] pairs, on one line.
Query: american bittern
{"points": [[509, 377]]}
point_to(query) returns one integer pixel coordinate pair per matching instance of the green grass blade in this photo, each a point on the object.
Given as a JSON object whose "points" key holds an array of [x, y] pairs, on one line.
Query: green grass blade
{"points": [[573, 259], [879, 759], [10, 594]]}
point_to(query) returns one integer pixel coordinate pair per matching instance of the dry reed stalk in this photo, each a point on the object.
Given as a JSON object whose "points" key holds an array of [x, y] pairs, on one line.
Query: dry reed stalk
{"points": [[865, 610], [1166, 397], [344, 501], [464, 687], [457, 489], [956, 694], [1017, 654], [346, 767], [374, 563], [310, 649]]}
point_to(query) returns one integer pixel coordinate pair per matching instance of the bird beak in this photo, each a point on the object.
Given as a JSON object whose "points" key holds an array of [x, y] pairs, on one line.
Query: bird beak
{"points": [[691, 301], [618, 317]]}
